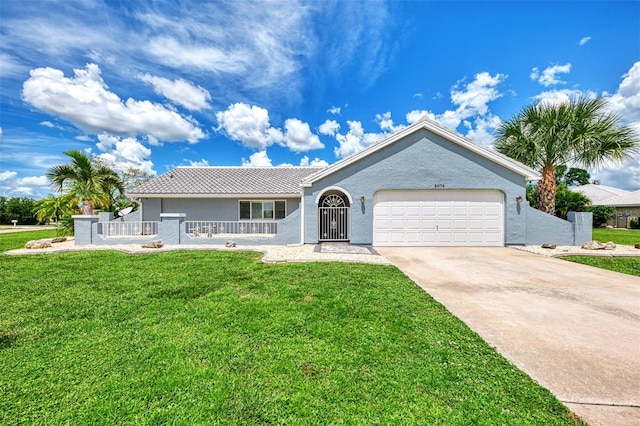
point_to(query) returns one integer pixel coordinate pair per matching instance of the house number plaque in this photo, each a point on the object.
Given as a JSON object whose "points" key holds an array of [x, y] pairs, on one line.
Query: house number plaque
{"points": [[439, 185]]}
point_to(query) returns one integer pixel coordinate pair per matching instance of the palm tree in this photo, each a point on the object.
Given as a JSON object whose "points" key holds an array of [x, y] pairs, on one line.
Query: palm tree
{"points": [[91, 182], [52, 207], [578, 132]]}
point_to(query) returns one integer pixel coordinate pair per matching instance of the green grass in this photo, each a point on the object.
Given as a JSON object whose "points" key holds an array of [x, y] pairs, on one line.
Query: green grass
{"points": [[625, 265], [618, 236], [220, 338]]}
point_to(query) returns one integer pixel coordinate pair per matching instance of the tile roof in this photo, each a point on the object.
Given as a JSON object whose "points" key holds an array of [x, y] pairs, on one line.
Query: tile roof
{"points": [[598, 193], [630, 199], [200, 181]]}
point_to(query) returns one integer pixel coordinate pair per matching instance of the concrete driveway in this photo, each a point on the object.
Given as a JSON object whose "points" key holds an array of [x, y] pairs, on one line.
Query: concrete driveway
{"points": [[573, 328]]}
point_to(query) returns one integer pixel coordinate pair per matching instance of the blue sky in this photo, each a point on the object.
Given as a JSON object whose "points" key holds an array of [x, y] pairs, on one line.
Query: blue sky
{"points": [[155, 85]]}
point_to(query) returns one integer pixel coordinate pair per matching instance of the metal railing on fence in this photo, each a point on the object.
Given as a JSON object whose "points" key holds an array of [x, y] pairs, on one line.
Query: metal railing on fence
{"points": [[127, 229], [211, 228]]}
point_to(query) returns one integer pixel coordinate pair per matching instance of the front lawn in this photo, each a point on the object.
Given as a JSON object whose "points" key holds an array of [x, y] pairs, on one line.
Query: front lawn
{"points": [[619, 236], [220, 338], [626, 265]]}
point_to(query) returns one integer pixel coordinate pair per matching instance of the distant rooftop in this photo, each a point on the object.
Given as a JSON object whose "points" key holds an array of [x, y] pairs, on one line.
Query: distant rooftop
{"points": [[221, 181], [598, 193]]}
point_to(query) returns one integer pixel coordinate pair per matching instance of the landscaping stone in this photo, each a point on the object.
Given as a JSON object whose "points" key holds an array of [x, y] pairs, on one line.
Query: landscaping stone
{"points": [[549, 246], [230, 244], [597, 245], [154, 244], [37, 244], [58, 240], [637, 245]]}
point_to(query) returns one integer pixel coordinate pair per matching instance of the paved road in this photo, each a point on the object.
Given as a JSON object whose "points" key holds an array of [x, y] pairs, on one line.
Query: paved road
{"points": [[573, 328]]}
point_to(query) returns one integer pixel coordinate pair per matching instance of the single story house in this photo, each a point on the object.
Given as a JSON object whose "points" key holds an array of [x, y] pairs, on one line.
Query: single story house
{"points": [[625, 203], [425, 185]]}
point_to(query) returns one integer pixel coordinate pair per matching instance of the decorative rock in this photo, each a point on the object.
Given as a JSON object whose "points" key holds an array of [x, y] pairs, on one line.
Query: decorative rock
{"points": [[597, 245], [549, 246], [593, 245], [154, 244], [637, 245], [37, 244], [230, 244], [58, 240]]}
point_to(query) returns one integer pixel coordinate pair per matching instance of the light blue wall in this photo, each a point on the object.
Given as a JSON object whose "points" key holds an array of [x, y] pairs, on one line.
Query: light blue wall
{"points": [[424, 160], [202, 209]]}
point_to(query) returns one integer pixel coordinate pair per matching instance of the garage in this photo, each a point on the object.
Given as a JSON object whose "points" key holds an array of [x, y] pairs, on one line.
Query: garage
{"points": [[438, 218]]}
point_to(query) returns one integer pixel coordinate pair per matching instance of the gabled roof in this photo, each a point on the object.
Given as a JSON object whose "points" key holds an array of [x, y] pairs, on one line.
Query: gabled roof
{"points": [[598, 193], [629, 199], [194, 182], [509, 163]]}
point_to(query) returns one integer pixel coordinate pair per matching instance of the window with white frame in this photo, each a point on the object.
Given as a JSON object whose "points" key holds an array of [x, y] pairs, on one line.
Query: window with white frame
{"points": [[263, 209]]}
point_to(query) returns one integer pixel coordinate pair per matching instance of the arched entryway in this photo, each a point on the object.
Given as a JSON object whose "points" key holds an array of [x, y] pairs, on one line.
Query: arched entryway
{"points": [[333, 216]]}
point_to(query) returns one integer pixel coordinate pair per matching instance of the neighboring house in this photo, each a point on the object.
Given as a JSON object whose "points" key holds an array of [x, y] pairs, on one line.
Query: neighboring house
{"points": [[425, 185], [626, 203]]}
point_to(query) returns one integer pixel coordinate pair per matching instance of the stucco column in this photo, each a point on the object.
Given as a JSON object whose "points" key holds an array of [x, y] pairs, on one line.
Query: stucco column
{"points": [[582, 226], [85, 229], [169, 227]]}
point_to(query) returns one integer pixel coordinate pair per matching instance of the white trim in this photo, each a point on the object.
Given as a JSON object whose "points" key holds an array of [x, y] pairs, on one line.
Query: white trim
{"points": [[334, 188], [515, 166], [173, 215]]}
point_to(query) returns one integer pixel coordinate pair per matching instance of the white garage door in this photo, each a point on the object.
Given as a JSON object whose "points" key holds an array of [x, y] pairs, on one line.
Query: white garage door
{"points": [[438, 218]]}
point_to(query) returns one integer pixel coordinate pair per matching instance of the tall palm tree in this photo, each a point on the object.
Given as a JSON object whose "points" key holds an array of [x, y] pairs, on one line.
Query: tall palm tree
{"points": [[92, 182], [578, 132]]}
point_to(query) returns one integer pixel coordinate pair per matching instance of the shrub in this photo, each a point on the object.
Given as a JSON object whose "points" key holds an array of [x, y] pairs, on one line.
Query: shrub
{"points": [[634, 223], [601, 214]]}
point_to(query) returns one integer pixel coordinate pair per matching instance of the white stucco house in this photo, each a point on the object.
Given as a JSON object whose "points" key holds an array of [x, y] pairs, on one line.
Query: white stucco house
{"points": [[425, 185]]}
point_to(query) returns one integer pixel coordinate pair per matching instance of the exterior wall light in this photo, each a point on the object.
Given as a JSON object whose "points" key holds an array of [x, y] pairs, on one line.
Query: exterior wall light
{"points": [[519, 199], [362, 199]]}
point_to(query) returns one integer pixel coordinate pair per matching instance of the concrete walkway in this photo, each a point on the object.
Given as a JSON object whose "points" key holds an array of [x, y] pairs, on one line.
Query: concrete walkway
{"points": [[574, 329]]}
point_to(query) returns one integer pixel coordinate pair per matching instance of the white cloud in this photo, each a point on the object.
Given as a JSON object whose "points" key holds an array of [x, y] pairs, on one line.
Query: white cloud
{"points": [[355, 140], [298, 136], [549, 76], [316, 162], [473, 97], [7, 175], [11, 67], [584, 40], [249, 124], [179, 54], [471, 101], [416, 115], [329, 127], [123, 154], [201, 163], [555, 97], [626, 100], [386, 123], [85, 101], [179, 91], [482, 129], [334, 110], [626, 103], [257, 159], [31, 186]]}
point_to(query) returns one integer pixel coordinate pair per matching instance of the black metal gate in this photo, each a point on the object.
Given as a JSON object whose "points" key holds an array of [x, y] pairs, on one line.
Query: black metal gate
{"points": [[333, 219]]}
